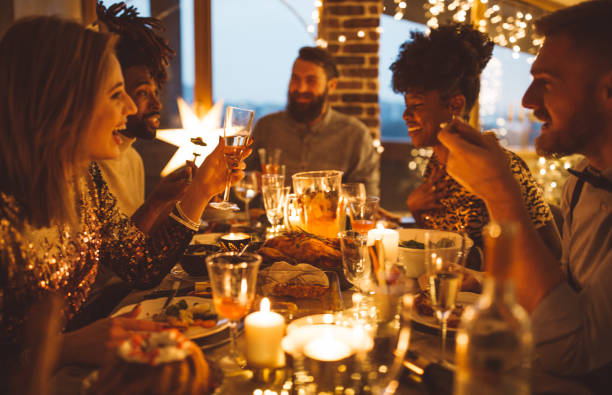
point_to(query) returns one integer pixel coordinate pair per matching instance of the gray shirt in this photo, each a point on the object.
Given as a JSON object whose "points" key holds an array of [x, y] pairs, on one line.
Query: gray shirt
{"points": [[337, 142], [573, 329]]}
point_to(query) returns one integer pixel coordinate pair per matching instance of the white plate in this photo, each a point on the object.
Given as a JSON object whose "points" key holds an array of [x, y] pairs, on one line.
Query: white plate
{"points": [[463, 299], [180, 274], [153, 306], [205, 238]]}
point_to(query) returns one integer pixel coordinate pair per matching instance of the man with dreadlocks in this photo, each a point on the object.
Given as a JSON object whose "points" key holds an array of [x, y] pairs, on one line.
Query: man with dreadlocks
{"points": [[143, 56]]}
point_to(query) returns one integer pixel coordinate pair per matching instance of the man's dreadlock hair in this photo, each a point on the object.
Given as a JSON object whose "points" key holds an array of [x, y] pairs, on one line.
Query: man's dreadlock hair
{"points": [[139, 44]]}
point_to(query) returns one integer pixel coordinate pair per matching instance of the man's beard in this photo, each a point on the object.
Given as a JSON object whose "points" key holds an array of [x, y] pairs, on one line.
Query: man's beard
{"points": [[306, 112], [138, 127], [579, 132]]}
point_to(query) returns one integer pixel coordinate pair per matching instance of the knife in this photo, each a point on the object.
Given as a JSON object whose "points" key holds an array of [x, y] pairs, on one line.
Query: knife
{"points": [[175, 286]]}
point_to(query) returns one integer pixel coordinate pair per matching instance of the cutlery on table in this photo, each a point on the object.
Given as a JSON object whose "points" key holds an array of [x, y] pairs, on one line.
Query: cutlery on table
{"points": [[175, 286]]}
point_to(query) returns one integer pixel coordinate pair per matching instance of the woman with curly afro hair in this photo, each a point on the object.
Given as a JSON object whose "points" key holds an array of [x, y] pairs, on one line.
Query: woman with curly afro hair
{"points": [[439, 75]]}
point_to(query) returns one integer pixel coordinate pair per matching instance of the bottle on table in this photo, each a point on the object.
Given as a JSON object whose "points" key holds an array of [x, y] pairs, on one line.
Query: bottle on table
{"points": [[494, 341]]}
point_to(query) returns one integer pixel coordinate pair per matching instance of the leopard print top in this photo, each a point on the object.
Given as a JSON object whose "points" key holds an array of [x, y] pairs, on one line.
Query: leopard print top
{"points": [[462, 211]]}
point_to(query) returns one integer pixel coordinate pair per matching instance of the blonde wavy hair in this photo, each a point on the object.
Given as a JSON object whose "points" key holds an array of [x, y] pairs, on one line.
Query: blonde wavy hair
{"points": [[51, 71]]}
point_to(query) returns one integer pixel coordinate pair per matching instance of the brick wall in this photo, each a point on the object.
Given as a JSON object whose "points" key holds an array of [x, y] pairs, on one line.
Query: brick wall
{"points": [[350, 28]]}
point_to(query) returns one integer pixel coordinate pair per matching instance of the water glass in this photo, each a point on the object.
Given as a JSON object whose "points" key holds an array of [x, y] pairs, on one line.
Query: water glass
{"points": [[355, 262], [274, 202]]}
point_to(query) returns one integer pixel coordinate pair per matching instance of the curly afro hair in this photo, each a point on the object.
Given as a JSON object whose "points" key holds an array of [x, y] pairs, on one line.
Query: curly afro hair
{"points": [[139, 44], [449, 60]]}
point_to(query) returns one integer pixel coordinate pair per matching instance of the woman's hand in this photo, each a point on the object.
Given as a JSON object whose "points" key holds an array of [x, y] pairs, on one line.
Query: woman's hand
{"points": [[213, 174], [426, 197], [98, 342]]}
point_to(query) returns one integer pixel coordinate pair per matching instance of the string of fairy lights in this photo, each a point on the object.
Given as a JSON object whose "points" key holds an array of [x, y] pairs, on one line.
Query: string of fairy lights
{"points": [[509, 25]]}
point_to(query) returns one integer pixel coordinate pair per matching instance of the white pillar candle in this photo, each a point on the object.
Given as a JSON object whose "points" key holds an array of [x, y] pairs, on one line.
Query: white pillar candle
{"points": [[390, 239], [264, 331], [327, 348]]}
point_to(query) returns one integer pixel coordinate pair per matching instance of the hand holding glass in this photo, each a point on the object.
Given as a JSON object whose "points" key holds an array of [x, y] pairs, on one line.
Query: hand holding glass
{"points": [[236, 133]]}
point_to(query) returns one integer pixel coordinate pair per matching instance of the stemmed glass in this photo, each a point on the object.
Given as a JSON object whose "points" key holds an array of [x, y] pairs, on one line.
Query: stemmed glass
{"points": [[274, 197], [444, 270], [363, 213], [355, 264], [233, 278], [246, 189], [236, 133]]}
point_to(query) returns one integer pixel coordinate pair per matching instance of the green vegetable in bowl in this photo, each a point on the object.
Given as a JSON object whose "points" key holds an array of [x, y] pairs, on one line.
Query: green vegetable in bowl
{"points": [[415, 245], [444, 242]]}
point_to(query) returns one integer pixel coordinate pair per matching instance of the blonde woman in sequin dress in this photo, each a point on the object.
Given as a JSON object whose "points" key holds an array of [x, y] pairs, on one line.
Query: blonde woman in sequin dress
{"points": [[62, 103]]}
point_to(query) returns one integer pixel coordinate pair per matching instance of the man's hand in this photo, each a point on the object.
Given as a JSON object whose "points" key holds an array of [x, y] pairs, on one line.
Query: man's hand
{"points": [[479, 163], [425, 196], [172, 187]]}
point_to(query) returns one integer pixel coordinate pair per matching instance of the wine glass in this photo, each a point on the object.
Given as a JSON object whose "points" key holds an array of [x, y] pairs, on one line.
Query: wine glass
{"points": [[236, 133], [246, 189], [363, 212], [355, 264], [233, 277], [274, 203], [443, 266]]}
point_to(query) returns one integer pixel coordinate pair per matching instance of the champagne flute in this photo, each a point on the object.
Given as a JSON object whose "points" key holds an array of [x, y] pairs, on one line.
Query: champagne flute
{"points": [[233, 278], [355, 263], [444, 270], [236, 133], [246, 189]]}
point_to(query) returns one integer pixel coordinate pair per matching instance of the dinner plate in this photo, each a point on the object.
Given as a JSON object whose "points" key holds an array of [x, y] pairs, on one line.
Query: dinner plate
{"points": [[154, 306], [463, 299]]}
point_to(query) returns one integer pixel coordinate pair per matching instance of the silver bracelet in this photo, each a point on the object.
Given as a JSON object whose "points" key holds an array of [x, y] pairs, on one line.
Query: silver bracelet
{"points": [[184, 219]]}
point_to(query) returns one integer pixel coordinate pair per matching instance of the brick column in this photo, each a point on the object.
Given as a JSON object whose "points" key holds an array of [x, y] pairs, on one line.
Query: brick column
{"points": [[350, 28]]}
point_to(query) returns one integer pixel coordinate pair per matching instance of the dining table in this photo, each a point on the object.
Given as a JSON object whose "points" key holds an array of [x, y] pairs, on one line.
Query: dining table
{"points": [[423, 370]]}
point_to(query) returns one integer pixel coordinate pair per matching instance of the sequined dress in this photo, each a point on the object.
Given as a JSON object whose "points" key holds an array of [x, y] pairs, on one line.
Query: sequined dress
{"points": [[59, 259]]}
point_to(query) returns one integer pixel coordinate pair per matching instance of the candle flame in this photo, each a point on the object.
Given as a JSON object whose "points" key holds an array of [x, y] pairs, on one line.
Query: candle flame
{"points": [[265, 305], [380, 225]]}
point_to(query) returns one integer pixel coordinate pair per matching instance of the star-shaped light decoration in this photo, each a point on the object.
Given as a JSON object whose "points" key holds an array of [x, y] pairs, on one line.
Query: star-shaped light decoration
{"points": [[196, 140]]}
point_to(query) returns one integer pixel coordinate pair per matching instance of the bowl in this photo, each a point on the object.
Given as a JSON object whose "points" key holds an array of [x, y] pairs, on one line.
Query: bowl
{"points": [[193, 261], [413, 259]]}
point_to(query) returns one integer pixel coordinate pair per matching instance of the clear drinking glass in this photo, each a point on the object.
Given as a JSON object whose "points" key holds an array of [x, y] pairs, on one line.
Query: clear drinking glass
{"points": [[443, 265], [277, 180], [270, 160], [233, 278], [355, 263], [236, 133], [363, 212], [318, 194], [274, 197], [246, 189]]}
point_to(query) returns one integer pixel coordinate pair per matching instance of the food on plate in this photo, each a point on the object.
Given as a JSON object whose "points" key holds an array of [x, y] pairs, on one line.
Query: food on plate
{"points": [[155, 363], [181, 316], [422, 304], [298, 247], [297, 281], [444, 242]]}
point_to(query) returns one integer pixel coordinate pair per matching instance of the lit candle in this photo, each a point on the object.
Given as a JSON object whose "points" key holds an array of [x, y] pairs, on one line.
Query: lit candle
{"points": [[327, 348], [264, 330], [234, 241], [390, 239]]}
